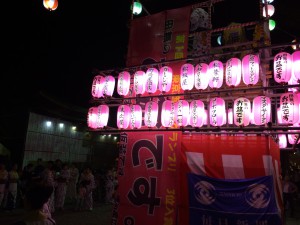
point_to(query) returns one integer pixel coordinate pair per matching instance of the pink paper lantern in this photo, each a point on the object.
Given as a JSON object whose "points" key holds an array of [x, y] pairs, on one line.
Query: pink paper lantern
{"points": [[296, 65], [123, 116], [139, 82], [109, 86], [289, 108], [230, 116], [250, 69], [182, 113], [102, 116], [92, 118], [165, 79], [151, 114], [279, 117], [187, 77], [215, 73], [205, 117], [97, 87], [270, 9], [241, 112], [217, 113], [282, 67], [261, 110], [135, 117], [282, 141], [123, 83], [201, 76], [197, 114], [168, 113], [233, 72], [151, 80]]}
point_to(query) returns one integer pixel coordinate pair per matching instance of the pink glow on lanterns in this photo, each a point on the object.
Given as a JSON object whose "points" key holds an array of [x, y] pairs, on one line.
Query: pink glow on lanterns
{"points": [[279, 117], [296, 65], [168, 113], [201, 76], [261, 110], [165, 79], [282, 141], [109, 86], [233, 72], [98, 116], [135, 116], [151, 114], [205, 117], [217, 112], [187, 77], [92, 118], [230, 116], [123, 83], [215, 72], [139, 82], [282, 67], [123, 116], [151, 80], [97, 87], [289, 108], [250, 69], [182, 113], [241, 112], [197, 114]]}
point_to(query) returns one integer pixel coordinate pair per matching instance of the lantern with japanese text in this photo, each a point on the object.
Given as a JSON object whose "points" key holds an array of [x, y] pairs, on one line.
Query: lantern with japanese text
{"points": [[230, 116], [97, 87], [217, 112], [165, 79], [261, 110], [135, 116], [296, 64], [187, 77], [215, 73], [282, 141], [289, 108], [92, 118], [151, 114], [182, 113], [168, 113], [250, 69], [123, 83], [241, 111], [109, 86], [123, 116], [197, 113], [151, 80], [50, 4], [139, 81], [201, 76], [282, 67], [233, 72], [102, 116]]}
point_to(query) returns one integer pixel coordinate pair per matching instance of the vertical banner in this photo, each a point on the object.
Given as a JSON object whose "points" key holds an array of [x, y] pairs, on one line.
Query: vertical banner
{"points": [[148, 179]]}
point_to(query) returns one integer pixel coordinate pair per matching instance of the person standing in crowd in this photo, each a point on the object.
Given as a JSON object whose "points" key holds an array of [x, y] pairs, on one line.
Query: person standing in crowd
{"points": [[26, 177], [3, 182], [81, 195], [289, 191], [62, 178], [88, 177], [38, 170], [109, 187], [48, 179], [72, 184], [13, 183]]}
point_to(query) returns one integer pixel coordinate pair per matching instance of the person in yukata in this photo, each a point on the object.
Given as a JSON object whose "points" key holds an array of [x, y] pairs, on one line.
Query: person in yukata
{"points": [[62, 179], [88, 177]]}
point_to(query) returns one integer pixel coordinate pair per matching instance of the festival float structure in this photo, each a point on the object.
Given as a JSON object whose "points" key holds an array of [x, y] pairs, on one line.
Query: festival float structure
{"points": [[201, 125]]}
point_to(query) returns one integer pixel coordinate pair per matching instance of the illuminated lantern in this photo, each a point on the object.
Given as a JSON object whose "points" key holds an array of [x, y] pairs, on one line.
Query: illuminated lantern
{"points": [[123, 116], [168, 113], [102, 116], [139, 82], [123, 83], [197, 114], [270, 9], [230, 116], [135, 116], [201, 76], [50, 4], [261, 110], [279, 117], [250, 69], [272, 24], [289, 108], [282, 67], [109, 86], [282, 141], [296, 64], [233, 72], [205, 117], [241, 112], [136, 8], [215, 73], [165, 79], [151, 114], [182, 113], [217, 113], [151, 80], [187, 77], [92, 118], [97, 87]]}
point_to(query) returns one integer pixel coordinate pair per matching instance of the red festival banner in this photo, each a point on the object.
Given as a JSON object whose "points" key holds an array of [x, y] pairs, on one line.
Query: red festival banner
{"points": [[148, 179]]}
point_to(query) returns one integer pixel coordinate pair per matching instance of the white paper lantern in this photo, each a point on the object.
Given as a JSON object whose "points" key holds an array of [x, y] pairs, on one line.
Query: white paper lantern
{"points": [[109, 85], [123, 83], [187, 77], [168, 113], [261, 110], [151, 114], [123, 116], [282, 67], [151, 80], [289, 108], [216, 73], [135, 117], [165, 79], [139, 82], [182, 113], [241, 111], [217, 112], [250, 69], [233, 72], [201, 76]]}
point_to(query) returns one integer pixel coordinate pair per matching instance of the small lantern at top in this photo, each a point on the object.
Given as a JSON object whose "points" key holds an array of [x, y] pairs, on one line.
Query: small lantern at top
{"points": [[50, 4]]}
